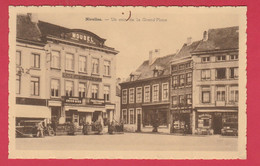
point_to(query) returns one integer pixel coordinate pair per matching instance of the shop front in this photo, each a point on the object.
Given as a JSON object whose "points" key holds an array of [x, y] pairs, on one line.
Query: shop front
{"points": [[181, 121], [216, 122]]}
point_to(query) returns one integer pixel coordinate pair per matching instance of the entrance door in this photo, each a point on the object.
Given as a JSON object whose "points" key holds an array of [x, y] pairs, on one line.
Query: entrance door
{"points": [[138, 122], [217, 123]]}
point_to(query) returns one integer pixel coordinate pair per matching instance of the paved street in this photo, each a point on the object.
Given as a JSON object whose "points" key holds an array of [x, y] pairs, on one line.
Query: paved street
{"points": [[130, 142]]}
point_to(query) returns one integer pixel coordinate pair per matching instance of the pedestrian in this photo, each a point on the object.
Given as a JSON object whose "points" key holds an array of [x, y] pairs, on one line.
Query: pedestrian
{"points": [[54, 126], [40, 130]]}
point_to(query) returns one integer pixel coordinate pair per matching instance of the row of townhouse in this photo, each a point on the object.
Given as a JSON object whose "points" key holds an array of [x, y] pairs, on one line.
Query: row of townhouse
{"points": [[199, 83], [63, 75]]}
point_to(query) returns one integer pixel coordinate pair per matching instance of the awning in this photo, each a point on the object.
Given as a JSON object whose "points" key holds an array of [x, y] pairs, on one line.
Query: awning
{"points": [[84, 109], [29, 111]]}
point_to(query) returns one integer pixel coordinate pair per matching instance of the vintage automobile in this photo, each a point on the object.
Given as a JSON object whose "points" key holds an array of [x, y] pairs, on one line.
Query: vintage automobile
{"points": [[228, 130], [26, 128]]}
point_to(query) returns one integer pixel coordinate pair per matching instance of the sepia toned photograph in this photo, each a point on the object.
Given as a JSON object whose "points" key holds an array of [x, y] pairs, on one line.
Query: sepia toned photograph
{"points": [[127, 82]]}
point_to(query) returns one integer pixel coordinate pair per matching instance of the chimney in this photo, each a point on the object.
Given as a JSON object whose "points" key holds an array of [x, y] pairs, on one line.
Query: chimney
{"points": [[153, 55], [189, 41], [205, 36], [33, 17]]}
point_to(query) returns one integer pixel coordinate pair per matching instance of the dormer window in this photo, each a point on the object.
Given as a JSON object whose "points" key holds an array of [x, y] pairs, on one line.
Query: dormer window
{"points": [[132, 77]]}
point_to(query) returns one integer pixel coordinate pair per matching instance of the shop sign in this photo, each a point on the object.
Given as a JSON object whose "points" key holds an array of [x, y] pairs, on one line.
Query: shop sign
{"points": [[54, 103], [204, 116], [83, 77], [73, 100], [97, 101], [181, 111]]}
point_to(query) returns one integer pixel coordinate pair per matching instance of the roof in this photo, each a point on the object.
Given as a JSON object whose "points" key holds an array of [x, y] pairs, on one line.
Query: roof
{"points": [[186, 51], [146, 70], [26, 29], [219, 39]]}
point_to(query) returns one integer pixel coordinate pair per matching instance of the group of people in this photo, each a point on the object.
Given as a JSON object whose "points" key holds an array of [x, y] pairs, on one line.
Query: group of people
{"points": [[40, 130]]}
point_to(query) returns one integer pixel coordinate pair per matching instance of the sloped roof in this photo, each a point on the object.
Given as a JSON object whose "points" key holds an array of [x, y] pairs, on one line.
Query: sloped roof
{"points": [[186, 50], [146, 70], [221, 38], [26, 29]]}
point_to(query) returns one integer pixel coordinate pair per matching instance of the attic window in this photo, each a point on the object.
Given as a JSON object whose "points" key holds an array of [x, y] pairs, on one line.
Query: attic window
{"points": [[132, 77], [155, 73]]}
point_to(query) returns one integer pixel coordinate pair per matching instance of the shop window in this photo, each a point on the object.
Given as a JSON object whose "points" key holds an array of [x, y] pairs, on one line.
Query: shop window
{"points": [[221, 73], [221, 58], [82, 90], [124, 96], [82, 63], [95, 65], [205, 96], [69, 62], [131, 95], [18, 84], [55, 86], [147, 94], [68, 117], [206, 122], [18, 58], [189, 78], [35, 60], [233, 94], [105, 118], [94, 91], [221, 93], [35, 86], [55, 59], [234, 72], [107, 68], [175, 81], [205, 59], [69, 85], [156, 92], [107, 93], [131, 116], [182, 80], [139, 95], [233, 57], [165, 91], [205, 74]]}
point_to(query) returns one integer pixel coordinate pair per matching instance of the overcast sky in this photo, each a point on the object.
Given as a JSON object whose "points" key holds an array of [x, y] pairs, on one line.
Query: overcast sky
{"points": [[135, 39]]}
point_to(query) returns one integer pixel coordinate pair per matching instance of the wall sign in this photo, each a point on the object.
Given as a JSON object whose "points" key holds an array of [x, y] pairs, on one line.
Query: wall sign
{"points": [[72, 100], [83, 77]]}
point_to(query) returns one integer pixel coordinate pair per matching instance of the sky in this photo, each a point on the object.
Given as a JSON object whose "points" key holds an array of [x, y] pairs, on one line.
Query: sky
{"points": [[134, 39]]}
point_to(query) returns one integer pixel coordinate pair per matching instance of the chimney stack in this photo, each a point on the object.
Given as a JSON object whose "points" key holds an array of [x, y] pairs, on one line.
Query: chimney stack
{"points": [[33, 17], [153, 55], [205, 36], [189, 41]]}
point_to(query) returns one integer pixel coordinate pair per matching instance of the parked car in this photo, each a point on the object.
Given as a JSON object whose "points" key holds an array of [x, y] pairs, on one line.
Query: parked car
{"points": [[227, 130]]}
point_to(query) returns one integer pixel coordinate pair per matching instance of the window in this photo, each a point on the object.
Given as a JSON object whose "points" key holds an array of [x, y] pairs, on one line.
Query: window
{"points": [[234, 72], [131, 95], [82, 90], [205, 74], [233, 57], [124, 96], [221, 93], [69, 62], [95, 65], [131, 116], [189, 99], [55, 86], [182, 66], [205, 59], [188, 65], [18, 84], [182, 78], [69, 88], [155, 92], [82, 63], [175, 81], [206, 122], [205, 96], [124, 112], [18, 58], [55, 59], [174, 100], [107, 93], [94, 91], [233, 94], [35, 60], [35, 86], [188, 78], [165, 91], [221, 58], [139, 95], [174, 68], [147, 94], [221, 73], [107, 68], [181, 99]]}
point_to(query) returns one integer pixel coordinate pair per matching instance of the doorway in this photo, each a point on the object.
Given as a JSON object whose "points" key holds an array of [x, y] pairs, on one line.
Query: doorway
{"points": [[138, 122], [217, 123]]}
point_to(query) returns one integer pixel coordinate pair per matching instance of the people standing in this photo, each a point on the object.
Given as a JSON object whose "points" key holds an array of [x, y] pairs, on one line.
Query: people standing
{"points": [[40, 130]]}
